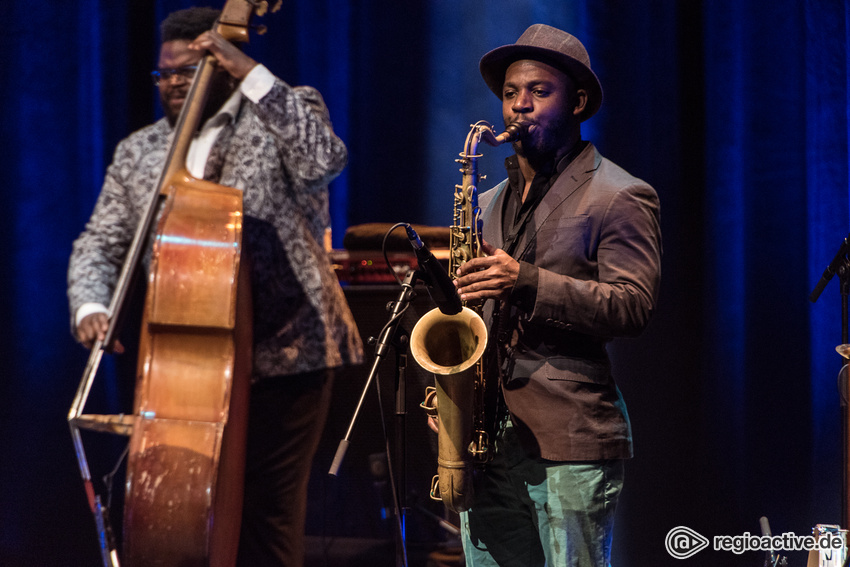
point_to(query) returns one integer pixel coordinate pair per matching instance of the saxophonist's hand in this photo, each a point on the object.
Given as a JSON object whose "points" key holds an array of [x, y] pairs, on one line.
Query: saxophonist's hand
{"points": [[491, 276], [434, 423]]}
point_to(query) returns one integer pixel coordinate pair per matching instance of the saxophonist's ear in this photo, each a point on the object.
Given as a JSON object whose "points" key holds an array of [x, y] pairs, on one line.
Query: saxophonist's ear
{"points": [[581, 102]]}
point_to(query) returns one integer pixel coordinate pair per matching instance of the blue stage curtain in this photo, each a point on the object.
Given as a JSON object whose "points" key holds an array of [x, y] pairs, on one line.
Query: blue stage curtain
{"points": [[736, 111], [826, 103]]}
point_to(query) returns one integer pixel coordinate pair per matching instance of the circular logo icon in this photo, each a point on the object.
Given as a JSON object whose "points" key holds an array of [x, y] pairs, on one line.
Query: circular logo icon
{"points": [[683, 542]]}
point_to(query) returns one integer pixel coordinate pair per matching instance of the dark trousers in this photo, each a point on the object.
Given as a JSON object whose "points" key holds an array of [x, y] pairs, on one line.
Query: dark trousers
{"points": [[285, 425]]}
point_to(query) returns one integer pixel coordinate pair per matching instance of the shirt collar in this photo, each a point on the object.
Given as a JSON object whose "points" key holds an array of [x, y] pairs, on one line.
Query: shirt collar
{"points": [[550, 171], [227, 113]]}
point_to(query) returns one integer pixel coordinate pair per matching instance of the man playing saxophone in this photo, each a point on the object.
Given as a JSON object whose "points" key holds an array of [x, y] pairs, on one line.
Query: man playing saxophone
{"points": [[573, 260]]}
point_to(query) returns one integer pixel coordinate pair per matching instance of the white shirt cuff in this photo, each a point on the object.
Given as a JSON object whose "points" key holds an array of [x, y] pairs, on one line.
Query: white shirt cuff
{"points": [[87, 309], [257, 83]]}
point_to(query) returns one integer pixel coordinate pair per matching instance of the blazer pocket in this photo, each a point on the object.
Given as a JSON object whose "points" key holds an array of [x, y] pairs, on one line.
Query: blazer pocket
{"points": [[570, 235], [565, 368], [562, 223]]}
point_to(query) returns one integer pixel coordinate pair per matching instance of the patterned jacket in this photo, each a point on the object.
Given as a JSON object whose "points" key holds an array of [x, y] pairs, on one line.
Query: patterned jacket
{"points": [[282, 154]]}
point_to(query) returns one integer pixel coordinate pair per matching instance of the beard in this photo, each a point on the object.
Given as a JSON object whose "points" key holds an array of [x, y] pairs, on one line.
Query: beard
{"points": [[173, 98], [544, 142]]}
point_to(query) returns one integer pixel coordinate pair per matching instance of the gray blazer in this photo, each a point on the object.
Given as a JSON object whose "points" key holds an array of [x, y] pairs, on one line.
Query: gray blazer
{"points": [[594, 242], [282, 155]]}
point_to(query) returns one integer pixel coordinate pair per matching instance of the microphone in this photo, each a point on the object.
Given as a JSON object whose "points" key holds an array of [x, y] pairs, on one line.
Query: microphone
{"points": [[770, 559], [438, 282], [765, 531]]}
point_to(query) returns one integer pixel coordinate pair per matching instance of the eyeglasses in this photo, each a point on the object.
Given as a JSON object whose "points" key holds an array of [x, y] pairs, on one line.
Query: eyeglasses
{"points": [[186, 73]]}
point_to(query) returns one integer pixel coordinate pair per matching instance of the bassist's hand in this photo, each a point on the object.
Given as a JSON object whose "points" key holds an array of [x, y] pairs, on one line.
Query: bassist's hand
{"points": [[229, 57], [93, 327]]}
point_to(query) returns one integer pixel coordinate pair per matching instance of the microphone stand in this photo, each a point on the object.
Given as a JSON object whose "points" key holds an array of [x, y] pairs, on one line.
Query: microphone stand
{"points": [[386, 338], [400, 443], [841, 265]]}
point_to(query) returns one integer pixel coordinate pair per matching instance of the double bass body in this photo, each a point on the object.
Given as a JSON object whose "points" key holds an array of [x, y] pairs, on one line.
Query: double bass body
{"points": [[186, 454]]}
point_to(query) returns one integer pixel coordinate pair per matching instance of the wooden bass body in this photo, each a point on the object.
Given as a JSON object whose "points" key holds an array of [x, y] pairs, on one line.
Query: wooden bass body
{"points": [[187, 450]]}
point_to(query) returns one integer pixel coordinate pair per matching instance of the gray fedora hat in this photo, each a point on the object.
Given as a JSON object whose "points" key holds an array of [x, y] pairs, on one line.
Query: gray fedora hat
{"points": [[553, 47]]}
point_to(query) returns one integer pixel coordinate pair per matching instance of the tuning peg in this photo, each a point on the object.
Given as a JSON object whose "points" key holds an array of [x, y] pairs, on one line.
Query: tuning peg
{"points": [[260, 30], [262, 6], [843, 350]]}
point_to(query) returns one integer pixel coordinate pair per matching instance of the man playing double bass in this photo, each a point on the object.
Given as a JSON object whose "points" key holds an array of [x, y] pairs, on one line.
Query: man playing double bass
{"points": [[276, 144]]}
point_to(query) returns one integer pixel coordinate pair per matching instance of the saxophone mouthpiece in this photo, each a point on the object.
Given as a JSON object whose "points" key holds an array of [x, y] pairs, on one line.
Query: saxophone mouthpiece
{"points": [[513, 132]]}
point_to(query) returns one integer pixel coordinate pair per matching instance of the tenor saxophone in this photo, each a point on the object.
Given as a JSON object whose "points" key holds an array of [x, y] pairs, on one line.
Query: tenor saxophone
{"points": [[452, 346]]}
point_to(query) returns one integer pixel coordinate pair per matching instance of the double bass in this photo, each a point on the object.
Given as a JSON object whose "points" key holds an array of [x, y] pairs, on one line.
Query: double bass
{"points": [[186, 451]]}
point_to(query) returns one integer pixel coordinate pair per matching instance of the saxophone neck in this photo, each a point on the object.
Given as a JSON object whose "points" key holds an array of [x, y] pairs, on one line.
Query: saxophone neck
{"points": [[513, 132], [483, 132]]}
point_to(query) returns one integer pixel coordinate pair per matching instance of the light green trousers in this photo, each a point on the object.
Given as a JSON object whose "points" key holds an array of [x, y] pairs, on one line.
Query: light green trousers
{"points": [[535, 513]]}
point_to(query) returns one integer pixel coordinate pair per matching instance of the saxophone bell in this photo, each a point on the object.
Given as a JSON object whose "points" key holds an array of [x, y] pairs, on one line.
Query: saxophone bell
{"points": [[451, 347]]}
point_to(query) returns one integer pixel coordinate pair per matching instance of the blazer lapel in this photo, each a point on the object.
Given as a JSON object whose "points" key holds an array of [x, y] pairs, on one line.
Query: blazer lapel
{"points": [[492, 209], [576, 175]]}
